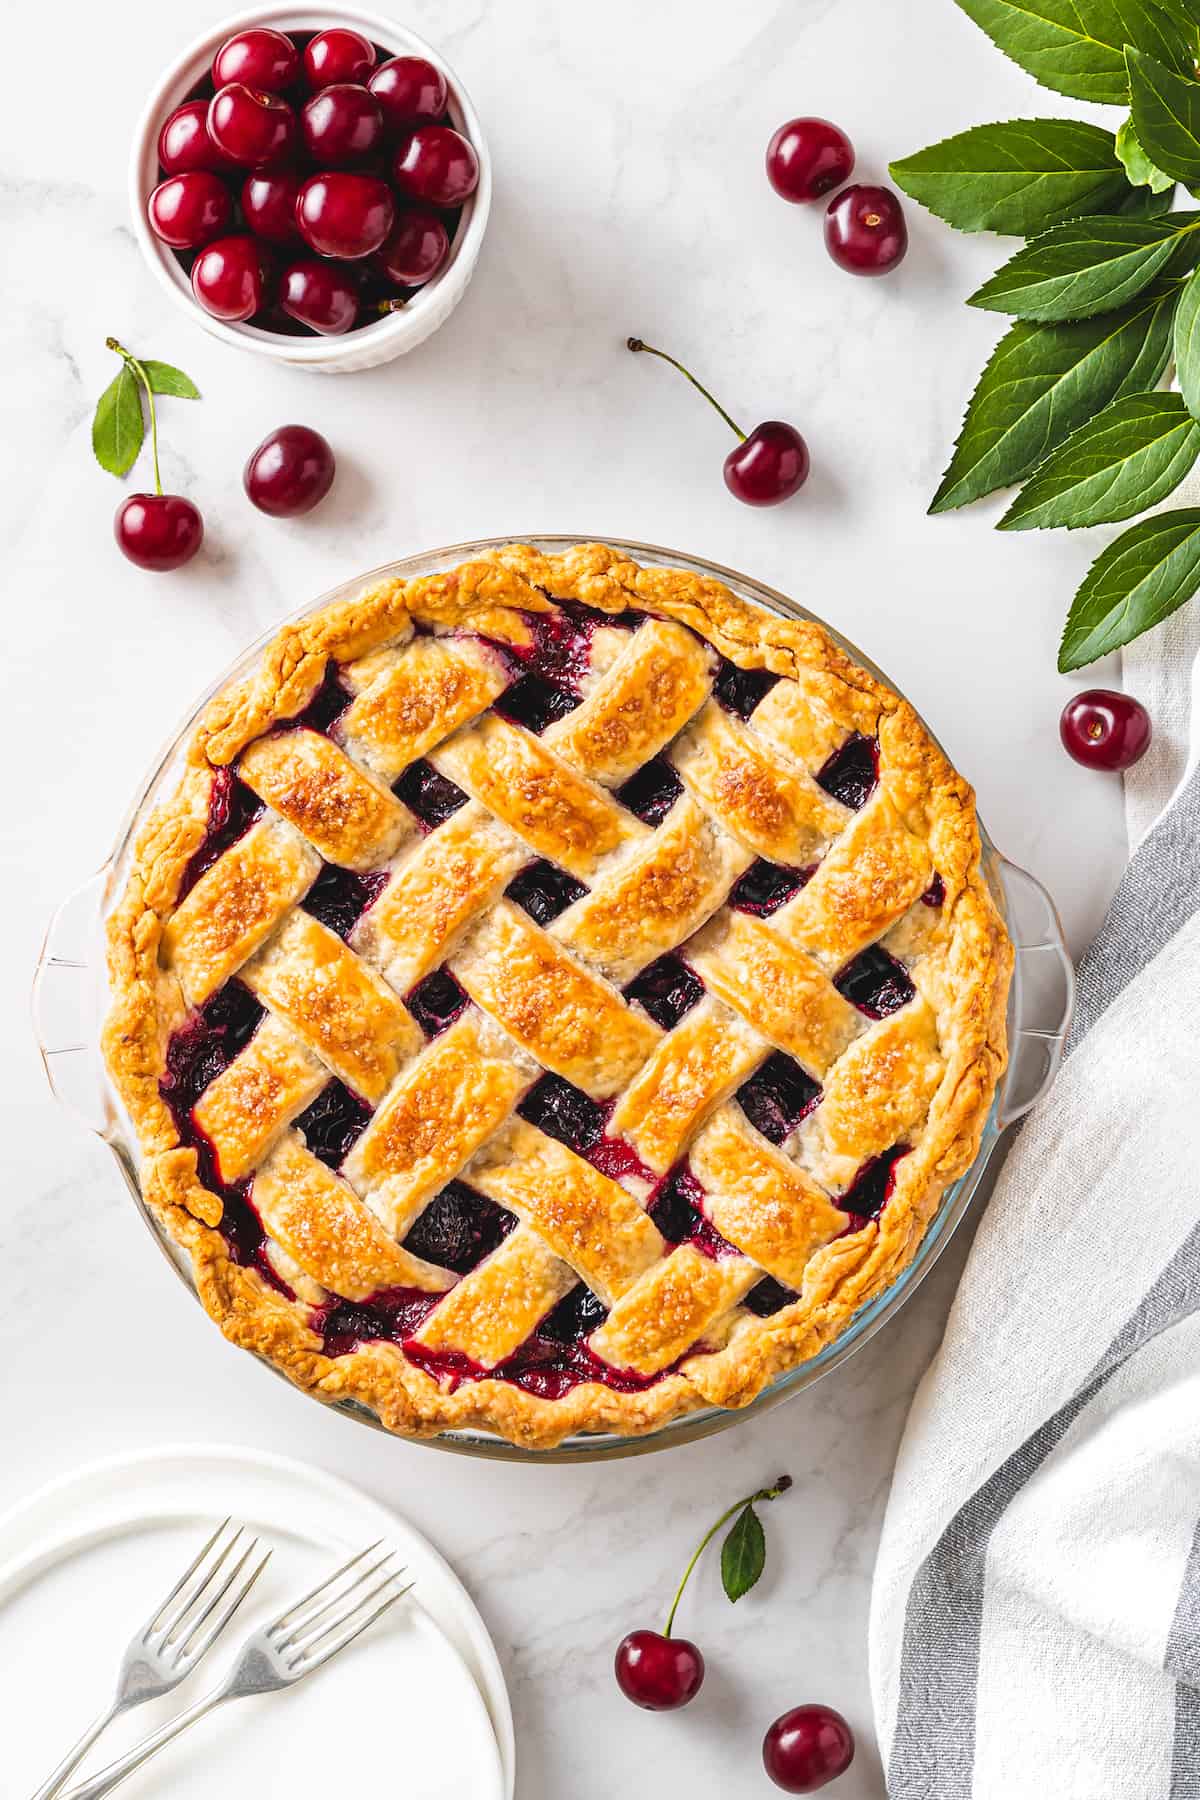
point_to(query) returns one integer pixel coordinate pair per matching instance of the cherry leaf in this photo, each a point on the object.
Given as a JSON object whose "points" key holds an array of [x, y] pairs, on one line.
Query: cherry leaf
{"points": [[118, 427], [164, 378], [743, 1554]]}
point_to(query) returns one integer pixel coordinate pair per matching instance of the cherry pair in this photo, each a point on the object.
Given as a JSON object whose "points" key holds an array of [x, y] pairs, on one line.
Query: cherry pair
{"points": [[865, 232]]}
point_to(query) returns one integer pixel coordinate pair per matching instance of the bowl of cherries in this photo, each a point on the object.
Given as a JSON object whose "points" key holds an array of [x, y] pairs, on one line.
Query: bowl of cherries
{"points": [[312, 186]]}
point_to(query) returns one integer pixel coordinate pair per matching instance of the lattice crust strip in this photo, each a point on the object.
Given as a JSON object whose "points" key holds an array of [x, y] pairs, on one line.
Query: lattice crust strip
{"points": [[650, 694]]}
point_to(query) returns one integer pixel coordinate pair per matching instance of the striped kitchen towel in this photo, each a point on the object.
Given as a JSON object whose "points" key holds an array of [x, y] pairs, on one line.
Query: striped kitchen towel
{"points": [[1035, 1625]]}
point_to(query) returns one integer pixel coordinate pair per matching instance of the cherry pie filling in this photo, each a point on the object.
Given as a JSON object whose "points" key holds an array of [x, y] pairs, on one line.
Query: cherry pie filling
{"points": [[460, 1226]]}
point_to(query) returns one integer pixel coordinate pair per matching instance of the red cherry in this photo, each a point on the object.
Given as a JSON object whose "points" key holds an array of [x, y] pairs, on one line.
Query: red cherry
{"points": [[319, 295], [659, 1673], [435, 163], [344, 214], [865, 232], [188, 210], [341, 124], [158, 531], [269, 205], [409, 91], [807, 157], [252, 128], [337, 55], [769, 465], [184, 143], [229, 278], [807, 1748], [415, 249], [262, 58], [1104, 729], [291, 470]]}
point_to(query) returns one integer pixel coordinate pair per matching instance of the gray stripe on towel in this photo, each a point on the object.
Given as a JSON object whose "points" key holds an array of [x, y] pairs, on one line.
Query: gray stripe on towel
{"points": [[1183, 1661], [933, 1750]]}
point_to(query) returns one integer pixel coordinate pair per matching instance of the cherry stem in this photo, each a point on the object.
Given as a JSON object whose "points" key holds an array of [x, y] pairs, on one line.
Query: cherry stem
{"points": [[636, 343], [780, 1486], [390, 306], [131, 362]]}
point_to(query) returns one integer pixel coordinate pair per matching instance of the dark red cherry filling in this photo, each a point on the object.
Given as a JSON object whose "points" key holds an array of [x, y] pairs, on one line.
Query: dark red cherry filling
{"points": [[560, 645], [876, 983], [652, 792], [676, 1207], [326, 706], [617, 1158], [872, 1187], [543, 891], [436, 1002], [429, 795], [766, 886], [459, 1228], [534, 702], [935, 893], [852, 772], [564, 1112], [340, 897], [232, 809], [205, 1045], [770, 1296], [333, 1124], [667, 989], [390, 1316], [740, 690], [777, 1096]]}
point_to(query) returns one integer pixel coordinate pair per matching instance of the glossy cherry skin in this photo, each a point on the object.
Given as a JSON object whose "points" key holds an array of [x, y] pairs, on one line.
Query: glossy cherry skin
{"points": [[436, 164], [229, 278], [158, 531], [807, 1748], [319, 295], [291, 471], [769, 465], [252, 128], [337, 55], [269, 205], [410, 91], [344, 214], [415, 249], [657, 1672], [262, 58], [865, 232], [341, 124], [1104, 729], [184, 143], [188, 210], [807, 157]]}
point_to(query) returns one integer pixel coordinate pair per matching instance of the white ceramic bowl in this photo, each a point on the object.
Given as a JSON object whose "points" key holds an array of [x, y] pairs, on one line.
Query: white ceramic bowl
{"points": [[369, 345]]}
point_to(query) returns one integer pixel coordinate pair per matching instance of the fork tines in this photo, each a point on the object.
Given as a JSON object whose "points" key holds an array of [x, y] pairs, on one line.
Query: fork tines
{"points": [[191, 1604], [334, 1612]]}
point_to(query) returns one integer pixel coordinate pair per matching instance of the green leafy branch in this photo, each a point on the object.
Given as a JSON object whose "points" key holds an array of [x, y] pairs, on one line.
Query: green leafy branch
{"points": [[1105, 296]]}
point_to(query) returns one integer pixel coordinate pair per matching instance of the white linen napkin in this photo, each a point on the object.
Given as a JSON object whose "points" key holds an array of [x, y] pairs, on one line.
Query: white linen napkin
{"points": [[1035, 1620]]}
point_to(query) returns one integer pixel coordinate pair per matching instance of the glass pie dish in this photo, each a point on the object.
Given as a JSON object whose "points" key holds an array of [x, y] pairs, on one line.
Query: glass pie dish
{"points": [[71, 999]]}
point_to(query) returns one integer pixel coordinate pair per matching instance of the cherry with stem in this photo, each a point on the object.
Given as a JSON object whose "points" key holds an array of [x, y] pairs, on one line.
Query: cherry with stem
{"points": [[156, 531], [660, 1672], [770, 464]]}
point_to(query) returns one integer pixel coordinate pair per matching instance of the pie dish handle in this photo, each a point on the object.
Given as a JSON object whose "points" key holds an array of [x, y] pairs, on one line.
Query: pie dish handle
{"points": [[1043, 993], [68, 1005]]}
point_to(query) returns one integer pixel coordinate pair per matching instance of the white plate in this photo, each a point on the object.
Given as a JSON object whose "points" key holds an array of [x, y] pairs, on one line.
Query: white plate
{"points": [[417, 1708]]}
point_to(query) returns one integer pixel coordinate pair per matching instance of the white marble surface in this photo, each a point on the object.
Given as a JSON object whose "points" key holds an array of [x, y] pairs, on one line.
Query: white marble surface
{"points": [[629, 197]]}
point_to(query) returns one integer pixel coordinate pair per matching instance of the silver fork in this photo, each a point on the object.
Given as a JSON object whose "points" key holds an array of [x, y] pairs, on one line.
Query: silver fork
{"points": [[173, 1639], [300, 1640]]}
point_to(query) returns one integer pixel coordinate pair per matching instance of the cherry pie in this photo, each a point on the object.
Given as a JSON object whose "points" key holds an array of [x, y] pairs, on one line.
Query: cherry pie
{"points": [[556, 997]]}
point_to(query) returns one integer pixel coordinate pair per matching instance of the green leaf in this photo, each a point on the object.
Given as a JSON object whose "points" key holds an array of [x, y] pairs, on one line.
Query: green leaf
{"points": [[1087, 266], [1187, 346], [1076, 46], [1166, 116], [1143, 203], [1140, 170], [1140, 580], [118, 428], [1017, 176], [1044, 380], [1128, 458], [743, 1554], [164, 378]]}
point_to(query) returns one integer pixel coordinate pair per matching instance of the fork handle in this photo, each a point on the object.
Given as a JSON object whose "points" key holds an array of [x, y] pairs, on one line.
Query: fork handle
{"points": [[76, 1754], [115, 1772]]}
